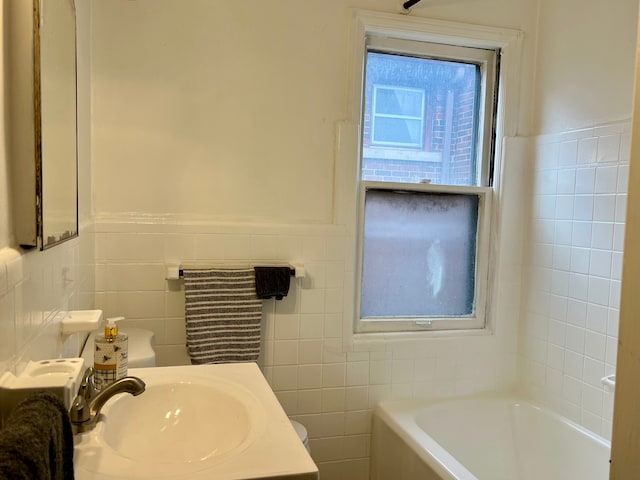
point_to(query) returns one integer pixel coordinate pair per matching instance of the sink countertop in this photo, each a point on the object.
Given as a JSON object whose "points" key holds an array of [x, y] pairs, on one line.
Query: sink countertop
{"points": [[271, 450]]}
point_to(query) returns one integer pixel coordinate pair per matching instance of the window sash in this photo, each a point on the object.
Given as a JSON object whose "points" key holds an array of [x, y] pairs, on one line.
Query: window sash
{"points": [[488, 61], [476, 320]]}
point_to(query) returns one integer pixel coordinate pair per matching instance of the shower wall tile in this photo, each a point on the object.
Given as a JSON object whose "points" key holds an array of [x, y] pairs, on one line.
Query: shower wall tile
{"points": [[608, 148], [575, 268], [587, 150]]}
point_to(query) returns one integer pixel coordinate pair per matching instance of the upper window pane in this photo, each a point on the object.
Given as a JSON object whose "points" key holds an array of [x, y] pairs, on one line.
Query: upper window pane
{"points": [[420, 120]]}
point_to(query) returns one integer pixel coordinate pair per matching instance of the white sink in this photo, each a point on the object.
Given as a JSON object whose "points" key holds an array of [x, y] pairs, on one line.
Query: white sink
{"points": [[183, 422], [195, 422]]}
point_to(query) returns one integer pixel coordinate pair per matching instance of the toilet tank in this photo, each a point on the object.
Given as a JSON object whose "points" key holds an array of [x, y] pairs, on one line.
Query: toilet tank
{"points": [[141, 352]]}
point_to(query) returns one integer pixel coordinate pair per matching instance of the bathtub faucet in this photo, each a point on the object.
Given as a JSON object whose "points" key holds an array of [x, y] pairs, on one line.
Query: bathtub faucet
{"points": [[85, 409]]}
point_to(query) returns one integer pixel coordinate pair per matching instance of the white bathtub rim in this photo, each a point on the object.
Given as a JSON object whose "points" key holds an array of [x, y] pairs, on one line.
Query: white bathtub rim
{"points": [[399, 415], [439, 460]]}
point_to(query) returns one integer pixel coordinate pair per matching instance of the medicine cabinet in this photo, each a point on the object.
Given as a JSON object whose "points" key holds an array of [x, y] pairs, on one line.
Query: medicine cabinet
{"points": [[43, 127]]}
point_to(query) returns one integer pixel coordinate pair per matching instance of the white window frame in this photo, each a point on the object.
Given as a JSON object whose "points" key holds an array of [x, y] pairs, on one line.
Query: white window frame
{"points": [[368, 26]]}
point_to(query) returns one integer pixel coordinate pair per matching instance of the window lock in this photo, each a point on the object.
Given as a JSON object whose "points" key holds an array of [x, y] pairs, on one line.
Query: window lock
{"points": [[424, 323]]}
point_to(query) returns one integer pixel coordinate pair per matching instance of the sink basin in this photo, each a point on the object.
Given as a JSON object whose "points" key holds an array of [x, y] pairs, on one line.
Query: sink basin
{"points": [[194, 422], [181, 422]]}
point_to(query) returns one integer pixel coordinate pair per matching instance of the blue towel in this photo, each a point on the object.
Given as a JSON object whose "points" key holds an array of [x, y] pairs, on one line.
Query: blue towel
{"points": [[37, 441]]}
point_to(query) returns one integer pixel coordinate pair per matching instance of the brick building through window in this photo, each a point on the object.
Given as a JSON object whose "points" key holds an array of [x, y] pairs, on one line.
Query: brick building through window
{"points": [[420, 120]]}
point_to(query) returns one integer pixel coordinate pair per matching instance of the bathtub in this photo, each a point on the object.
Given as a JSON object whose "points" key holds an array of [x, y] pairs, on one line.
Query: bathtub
{"points": [[482, 438]]}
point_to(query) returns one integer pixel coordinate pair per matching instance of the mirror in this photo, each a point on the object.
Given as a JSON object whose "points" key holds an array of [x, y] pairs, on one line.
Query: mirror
{"points": [[42, 112], [55, 85]]}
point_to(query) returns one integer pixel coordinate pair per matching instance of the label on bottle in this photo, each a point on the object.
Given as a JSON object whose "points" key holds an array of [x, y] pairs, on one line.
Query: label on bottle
{"points": [[111, 360]]}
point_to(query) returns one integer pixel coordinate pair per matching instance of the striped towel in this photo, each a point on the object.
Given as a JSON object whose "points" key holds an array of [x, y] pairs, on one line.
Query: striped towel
{"points": [[222, 314]]}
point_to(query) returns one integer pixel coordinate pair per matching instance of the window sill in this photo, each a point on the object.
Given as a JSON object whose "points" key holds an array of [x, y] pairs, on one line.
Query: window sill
{"points": [[401, 154], [362, 341]]}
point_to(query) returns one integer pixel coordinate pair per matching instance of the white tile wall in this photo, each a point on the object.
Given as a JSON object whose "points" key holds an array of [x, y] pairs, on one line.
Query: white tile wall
{"points": [[303, 357], [34, 287], [572, 294]]}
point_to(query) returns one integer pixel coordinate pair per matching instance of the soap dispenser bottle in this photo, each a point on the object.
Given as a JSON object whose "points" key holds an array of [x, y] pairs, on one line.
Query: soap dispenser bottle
{"points": [[111, 355]]}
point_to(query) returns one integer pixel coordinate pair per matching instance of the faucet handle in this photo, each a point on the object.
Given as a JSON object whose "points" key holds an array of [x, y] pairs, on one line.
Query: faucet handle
{"points": [[79, 411], [87, 387]]}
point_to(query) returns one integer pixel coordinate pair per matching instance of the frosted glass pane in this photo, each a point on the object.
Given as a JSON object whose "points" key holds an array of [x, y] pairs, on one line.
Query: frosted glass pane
{"points": [[418, 254]]}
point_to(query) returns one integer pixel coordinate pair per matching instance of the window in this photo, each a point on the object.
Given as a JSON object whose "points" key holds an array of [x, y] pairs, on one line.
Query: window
{"points": [[426, 168], [397, 117]]}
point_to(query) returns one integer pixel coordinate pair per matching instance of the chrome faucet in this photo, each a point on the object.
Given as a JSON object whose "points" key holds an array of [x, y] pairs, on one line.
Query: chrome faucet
{"points": [[85, 409]]}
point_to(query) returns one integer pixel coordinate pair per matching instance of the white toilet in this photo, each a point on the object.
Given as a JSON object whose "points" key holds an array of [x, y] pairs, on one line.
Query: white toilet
{"points": [[302, 434]]}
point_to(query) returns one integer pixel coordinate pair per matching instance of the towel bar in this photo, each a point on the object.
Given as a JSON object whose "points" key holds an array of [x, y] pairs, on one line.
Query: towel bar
{"points": [[181, 272], [177, 272]]}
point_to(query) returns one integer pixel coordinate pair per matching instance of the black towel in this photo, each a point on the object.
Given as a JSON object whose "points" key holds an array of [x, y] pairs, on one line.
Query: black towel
{"points": [[272, 282], [37, 441]]}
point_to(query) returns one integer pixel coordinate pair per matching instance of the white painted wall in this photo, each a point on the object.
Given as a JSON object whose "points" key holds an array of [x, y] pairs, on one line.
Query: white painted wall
{"points": [[229, 109], [585, 63]]}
